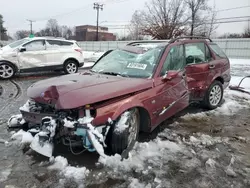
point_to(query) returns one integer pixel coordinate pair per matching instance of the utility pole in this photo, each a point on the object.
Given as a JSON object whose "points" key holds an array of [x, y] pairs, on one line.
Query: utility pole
{"points": [[31, 22], [97, 6]]}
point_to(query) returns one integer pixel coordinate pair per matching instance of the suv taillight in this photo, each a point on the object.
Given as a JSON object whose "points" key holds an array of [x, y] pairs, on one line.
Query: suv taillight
{"points": [[78, 50]]}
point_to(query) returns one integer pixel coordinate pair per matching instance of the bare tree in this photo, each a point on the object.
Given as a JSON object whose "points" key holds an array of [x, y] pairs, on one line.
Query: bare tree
{"points": [[197, 18], [209, 26], [67, 32], [246, 33], [21, 34], [161, 19], [53, 28]]}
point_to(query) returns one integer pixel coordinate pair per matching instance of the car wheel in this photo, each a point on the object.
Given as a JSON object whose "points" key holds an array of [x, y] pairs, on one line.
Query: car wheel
{"points": [[125, 133], [214, 95], [70, 67], [7, 71]]}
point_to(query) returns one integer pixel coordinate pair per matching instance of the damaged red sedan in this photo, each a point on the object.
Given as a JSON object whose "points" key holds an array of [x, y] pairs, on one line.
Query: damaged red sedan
{"points": [[127, 91]]}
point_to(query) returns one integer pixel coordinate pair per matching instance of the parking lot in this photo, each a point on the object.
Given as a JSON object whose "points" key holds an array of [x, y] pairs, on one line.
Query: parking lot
{"points": [[195, 148]]}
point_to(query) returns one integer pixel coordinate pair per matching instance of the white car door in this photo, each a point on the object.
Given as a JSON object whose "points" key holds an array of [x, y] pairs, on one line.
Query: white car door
{"points": [[57, 50], [32, 55]]}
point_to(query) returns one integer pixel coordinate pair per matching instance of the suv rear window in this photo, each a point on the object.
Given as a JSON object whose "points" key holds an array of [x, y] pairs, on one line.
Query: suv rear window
{"points": [[217, 50]]}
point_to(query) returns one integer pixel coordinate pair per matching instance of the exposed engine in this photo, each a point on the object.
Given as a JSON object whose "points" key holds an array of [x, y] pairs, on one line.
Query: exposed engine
{"points": [[63, 127]]}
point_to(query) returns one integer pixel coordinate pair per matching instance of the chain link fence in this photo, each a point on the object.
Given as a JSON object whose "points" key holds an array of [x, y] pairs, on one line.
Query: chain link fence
{"points": [[234, 48]]}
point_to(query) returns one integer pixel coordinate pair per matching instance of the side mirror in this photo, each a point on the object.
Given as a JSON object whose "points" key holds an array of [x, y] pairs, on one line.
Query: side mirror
{"points": [[169, 75], [22, 49]]}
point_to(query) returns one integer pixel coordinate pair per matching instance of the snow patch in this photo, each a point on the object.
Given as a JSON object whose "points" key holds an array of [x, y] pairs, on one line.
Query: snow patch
{"points": [[4, 175], [23, 137], [16, 120], [61, 164], [121, 124], [69, 124], [26, 106]]}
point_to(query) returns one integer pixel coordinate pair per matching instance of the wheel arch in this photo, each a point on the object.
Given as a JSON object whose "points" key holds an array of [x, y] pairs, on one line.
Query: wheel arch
{"points": [[220, 79], [14, 65], [145, 119], [71, 59]]}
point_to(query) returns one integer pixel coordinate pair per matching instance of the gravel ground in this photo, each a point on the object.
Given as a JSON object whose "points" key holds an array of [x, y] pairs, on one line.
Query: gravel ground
{"points": [[192, 149]]}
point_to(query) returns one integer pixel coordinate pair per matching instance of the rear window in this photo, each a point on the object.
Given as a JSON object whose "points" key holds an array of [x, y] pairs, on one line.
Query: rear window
{"points": [[217, 50]]}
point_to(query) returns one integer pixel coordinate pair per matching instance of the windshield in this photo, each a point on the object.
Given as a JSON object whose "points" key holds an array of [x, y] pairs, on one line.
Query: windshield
{"points": [[18, 43], [129, 64]]}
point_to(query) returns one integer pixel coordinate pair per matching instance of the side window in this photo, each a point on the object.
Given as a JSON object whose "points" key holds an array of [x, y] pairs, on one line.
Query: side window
{"points": [[35, 45], [175, 60], [208, 54], [195, 53], [54, 43], [66, 43], [218, 51]]}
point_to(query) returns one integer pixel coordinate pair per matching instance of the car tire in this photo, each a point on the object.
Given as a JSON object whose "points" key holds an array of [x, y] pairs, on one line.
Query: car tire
{"points": [[7, 70], [123, 139], [71, 67], [214, 95]]}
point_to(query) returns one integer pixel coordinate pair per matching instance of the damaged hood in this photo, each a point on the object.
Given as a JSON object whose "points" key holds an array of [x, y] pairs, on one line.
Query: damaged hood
{"points": [[76, 90]]}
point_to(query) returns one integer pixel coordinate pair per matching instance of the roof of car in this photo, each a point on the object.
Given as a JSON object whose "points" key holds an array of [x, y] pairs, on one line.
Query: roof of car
{"points": [[50, 38]]}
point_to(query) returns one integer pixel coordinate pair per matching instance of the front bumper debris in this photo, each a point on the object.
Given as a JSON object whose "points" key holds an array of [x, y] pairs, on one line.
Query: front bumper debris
{"points": [[50, 128]]}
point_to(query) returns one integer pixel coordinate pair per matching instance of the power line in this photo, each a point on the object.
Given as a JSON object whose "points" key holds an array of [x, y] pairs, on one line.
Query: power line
{"points": [[235, 8]]}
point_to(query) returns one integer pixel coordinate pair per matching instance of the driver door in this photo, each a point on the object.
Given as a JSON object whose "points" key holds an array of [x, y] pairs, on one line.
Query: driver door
{"points": [[33, 55], [171, 87]]}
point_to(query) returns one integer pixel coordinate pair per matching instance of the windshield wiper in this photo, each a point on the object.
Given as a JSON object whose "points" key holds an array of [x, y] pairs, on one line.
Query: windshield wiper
{"points": [[113, 74]]}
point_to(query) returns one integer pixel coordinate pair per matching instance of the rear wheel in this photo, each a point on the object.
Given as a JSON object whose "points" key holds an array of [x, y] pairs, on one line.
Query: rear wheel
{"points": [[214, 95], [70, 67], [125, 133], [7, 70]]}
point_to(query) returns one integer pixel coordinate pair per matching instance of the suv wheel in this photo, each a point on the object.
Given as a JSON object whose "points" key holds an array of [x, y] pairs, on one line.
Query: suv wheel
{"points": [[214, 95], [6, 71], [124, 133], [70, 67]]}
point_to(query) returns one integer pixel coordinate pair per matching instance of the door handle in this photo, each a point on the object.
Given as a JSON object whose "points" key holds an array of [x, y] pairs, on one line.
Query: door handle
{"points": [[212, 66]]}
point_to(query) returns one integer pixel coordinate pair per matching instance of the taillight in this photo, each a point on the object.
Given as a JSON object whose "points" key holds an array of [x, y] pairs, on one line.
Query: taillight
{"points": [[78, 50]]}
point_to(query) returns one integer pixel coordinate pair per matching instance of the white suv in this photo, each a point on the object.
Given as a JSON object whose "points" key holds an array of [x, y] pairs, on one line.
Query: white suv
{"points": [[40, 54]]}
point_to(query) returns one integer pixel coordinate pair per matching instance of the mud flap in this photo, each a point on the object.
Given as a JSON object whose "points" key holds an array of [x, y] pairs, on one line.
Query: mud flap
{"points": [[42, 145]]}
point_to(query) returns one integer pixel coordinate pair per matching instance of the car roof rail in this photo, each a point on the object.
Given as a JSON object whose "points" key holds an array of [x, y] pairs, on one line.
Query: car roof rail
{"points": [[189, 37], [146, 42]]}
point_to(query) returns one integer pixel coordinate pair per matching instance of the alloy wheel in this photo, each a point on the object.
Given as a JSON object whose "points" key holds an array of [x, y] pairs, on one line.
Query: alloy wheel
{"points": [[71, 68], [6, 71], [215, 95]]}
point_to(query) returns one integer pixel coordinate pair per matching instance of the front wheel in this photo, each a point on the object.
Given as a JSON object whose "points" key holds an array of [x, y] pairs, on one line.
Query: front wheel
{"points": [[70, 67], [214, 95], [124, 133], [7, 71]]}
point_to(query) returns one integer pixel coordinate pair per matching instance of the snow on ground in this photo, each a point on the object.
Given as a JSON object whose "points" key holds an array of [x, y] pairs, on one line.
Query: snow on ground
{"points": [[197, 160], [67, 171]]}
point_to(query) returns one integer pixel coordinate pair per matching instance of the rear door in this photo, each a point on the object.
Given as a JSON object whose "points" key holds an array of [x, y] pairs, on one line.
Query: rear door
{"points": [[34, 55], [170, 84], [57, 50], [200, 68]]}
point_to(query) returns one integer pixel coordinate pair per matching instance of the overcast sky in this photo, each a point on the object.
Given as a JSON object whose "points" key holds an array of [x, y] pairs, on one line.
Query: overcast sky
{"points": [[80, 12]]}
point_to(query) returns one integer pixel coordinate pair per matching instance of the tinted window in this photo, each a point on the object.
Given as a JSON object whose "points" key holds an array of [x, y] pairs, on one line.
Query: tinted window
{"points": [[65, 43], [175, 60], [54, 42], [208, 54], [35, 45], [217, 50]]}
